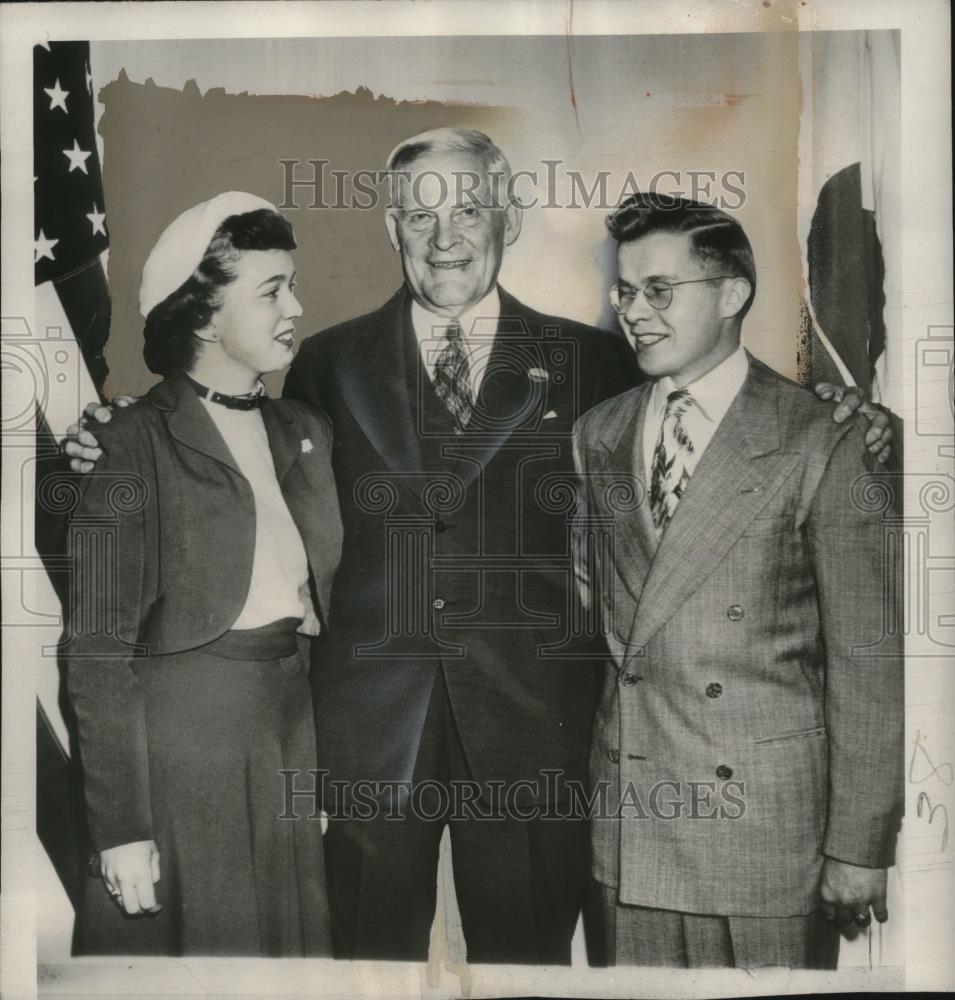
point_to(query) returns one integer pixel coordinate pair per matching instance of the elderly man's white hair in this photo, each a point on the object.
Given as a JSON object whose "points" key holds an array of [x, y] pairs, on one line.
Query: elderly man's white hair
{"points": [[452, 140]]}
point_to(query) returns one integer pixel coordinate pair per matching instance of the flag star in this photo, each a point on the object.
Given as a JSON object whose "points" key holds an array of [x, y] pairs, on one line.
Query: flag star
{"points": [[43, 247], [57, 96], [97, 218], [77, 158]]}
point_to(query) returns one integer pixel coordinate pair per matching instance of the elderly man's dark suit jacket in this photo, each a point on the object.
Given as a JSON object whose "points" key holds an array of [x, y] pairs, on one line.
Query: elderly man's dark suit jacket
{"points": [[486, 513], [182, 518]]}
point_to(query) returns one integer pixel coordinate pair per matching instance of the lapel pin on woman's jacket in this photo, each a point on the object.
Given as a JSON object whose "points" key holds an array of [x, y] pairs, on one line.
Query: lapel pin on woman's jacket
{"points": [[307, 446]]}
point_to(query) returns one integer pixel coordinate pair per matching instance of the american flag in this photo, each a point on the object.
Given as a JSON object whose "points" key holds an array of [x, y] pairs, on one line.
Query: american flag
{"points": [[73, 310], [70, 232]]}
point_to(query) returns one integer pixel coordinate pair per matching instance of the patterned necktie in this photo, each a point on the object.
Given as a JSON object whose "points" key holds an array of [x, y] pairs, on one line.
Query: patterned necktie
{"points": [[452, 378], [673, 461]]}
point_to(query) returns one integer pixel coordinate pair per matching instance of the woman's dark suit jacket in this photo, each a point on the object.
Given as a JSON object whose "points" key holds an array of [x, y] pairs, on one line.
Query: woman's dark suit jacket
{"points": [[162, 545]]}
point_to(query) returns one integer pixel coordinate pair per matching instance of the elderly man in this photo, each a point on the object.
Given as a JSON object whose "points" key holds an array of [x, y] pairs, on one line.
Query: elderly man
{"points": [[457, 400], [451, 688]]}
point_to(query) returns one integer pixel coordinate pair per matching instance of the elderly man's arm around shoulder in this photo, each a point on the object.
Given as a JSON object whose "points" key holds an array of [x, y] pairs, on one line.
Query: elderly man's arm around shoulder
{"points": [[857, 581]]}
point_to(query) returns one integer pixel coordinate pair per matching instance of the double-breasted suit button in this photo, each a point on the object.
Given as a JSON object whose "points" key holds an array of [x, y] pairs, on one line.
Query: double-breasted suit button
{"points": [[630, 679], [714, 690], [613, 756], [438, 603], [735, 613], [724, 773]]}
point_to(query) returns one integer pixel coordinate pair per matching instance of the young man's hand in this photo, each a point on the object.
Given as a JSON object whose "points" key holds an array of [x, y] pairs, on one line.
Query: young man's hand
{"points": [[847, 892]]}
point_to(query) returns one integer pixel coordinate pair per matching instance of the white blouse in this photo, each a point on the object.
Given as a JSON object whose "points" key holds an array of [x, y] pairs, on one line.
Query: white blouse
{"points": [[279, 564]]}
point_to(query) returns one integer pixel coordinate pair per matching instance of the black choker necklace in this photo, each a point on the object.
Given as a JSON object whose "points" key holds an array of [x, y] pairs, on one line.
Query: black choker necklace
{"points": [[250, 401]]}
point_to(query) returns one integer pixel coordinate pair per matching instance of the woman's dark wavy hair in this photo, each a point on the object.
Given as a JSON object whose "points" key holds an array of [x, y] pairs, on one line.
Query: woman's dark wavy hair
{"points": [[715, 237], [170, 345]]}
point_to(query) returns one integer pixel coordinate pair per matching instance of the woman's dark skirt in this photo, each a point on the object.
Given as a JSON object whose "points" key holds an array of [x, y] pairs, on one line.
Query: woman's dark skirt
{"points": [[224, 722]]}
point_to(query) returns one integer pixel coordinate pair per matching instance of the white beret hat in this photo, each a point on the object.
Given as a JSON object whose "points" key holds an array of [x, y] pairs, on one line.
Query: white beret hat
{"points": [[181, 247]]}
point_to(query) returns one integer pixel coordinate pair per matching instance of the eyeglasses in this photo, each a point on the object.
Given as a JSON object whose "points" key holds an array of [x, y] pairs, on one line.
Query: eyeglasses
{"points": [[422, 221], [659, 294]]}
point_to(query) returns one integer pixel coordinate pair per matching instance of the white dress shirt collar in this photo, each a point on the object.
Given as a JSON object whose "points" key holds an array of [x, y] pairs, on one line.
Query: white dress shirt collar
{"points": [[713, 394], [478, 329]]}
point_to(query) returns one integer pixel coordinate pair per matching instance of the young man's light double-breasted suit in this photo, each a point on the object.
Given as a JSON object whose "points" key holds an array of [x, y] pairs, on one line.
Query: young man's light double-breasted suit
{"points": [[748, 655]]}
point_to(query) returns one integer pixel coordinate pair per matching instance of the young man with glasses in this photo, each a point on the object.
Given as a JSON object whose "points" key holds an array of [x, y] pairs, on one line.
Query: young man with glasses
{"points": [[749, 731]]}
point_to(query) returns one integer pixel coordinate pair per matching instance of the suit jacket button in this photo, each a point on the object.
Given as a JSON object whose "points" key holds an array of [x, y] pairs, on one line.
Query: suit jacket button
{"points": [[724, 773], [614, 756], [714, 690], [735, 613], [630, 679], [438, 603]]}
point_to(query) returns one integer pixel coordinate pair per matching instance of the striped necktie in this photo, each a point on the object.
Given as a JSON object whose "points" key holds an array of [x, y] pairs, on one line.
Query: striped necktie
{"points": [[452, 378], [673, 460]]}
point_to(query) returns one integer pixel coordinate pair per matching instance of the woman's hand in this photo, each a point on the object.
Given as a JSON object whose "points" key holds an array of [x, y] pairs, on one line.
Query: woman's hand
{"points": [[129, 872]]}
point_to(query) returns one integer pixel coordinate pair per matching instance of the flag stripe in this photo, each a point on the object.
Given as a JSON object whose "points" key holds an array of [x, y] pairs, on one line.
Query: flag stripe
{"points": [[69, 383], [56, 794]]}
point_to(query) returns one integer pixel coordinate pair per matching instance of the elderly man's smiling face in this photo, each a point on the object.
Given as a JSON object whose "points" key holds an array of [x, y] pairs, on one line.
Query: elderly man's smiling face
{"points": [[449, 226]]}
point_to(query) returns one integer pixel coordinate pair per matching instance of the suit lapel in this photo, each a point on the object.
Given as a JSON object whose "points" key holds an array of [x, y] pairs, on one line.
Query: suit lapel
{"points": [[285, 442], [191, 425], [374, 384], [189, 422], [647, 533], [634, 537], [738, 473], [374, 381], [514, 390], [309, 493]]}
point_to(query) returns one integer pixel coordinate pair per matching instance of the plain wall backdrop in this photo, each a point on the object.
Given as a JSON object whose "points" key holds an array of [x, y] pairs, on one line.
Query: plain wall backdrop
{"points": [[629, 105]]}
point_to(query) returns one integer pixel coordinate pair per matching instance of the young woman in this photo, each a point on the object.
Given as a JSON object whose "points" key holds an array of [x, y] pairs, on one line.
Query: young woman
{"points": [[204, 546]]}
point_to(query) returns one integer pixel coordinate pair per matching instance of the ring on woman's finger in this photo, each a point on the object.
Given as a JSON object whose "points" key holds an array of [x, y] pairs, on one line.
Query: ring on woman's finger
{"points": [[863, 919]]}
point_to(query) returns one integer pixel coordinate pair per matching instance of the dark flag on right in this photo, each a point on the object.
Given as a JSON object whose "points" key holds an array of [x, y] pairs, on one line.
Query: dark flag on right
{"points": [[849, 223]]}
